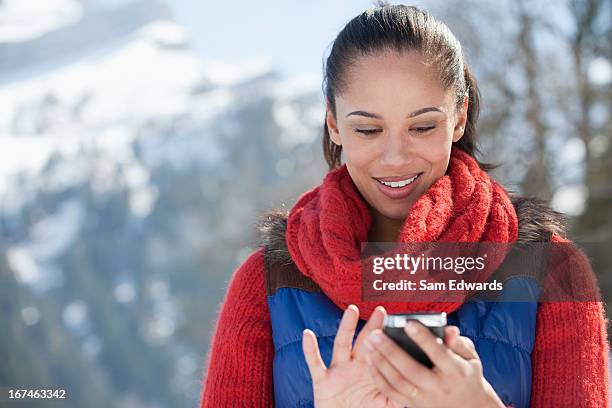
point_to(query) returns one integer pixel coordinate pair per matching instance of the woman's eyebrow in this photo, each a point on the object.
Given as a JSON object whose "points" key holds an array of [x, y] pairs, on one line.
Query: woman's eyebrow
{"points": [[411, 115]]}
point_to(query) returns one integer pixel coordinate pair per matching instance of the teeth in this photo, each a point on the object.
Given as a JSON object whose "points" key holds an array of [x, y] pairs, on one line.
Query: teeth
{"points": [[396, 184]]}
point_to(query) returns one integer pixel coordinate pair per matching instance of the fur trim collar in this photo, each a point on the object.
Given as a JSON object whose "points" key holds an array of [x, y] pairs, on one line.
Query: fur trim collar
{"points": [[536, 223]]}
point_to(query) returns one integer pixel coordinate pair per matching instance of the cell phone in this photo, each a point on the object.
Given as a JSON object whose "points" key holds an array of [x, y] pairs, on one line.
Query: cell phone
{"points": [[394, 327]]}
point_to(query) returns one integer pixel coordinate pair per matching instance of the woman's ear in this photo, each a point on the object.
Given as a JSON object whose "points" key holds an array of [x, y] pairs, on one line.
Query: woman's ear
{"points": [[332, 127], [461, 120]]}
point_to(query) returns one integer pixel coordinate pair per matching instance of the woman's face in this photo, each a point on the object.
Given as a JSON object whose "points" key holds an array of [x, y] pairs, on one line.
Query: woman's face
{"points": [[410, 122]]}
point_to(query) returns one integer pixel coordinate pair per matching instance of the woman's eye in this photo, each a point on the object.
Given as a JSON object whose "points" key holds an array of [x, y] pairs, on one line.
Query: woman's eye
{"points": [[368, 131], [424, 129]]}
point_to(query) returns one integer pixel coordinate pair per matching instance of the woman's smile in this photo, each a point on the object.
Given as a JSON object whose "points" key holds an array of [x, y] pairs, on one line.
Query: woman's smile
{"points": [[397, 188]]}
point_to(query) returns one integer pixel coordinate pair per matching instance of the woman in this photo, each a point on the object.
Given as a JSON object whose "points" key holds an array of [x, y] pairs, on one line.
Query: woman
{"points": [[403, 106]]}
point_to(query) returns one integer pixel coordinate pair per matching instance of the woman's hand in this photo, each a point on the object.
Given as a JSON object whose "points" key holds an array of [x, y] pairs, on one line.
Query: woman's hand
{"points": [[346, 382], [455, 379]]}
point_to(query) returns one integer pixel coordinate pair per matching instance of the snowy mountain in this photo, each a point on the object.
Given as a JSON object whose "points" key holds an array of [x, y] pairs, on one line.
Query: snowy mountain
{"points": [[131, 174], [147, 89]]}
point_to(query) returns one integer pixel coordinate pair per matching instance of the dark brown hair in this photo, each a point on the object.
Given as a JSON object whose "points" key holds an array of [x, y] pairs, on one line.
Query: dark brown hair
{"points": [[401, 28]]}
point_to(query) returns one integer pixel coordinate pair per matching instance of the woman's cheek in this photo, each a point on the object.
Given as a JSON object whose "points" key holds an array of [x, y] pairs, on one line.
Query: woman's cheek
{"points": [[359, 154], [436, 150]]}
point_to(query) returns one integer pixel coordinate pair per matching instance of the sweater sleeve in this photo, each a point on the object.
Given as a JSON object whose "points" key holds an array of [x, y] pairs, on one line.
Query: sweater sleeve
{"points": [[570, 356], [240, 358]]}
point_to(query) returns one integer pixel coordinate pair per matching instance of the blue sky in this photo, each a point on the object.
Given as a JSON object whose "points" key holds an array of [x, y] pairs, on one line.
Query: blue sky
{"points": [[292, 35]]}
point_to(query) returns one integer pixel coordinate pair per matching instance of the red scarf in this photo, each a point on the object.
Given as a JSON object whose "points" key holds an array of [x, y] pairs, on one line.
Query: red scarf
{"points": [[327, 225]]}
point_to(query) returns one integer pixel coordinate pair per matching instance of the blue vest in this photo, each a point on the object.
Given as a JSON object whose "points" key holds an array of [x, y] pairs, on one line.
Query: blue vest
{"points": [[503, 333]]}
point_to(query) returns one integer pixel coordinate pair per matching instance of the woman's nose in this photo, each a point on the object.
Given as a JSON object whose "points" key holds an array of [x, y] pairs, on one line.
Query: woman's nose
{"points": [[396, 151]]}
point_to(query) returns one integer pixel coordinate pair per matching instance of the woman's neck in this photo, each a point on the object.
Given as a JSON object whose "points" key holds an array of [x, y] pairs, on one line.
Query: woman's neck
{"points": [[383, 229]]}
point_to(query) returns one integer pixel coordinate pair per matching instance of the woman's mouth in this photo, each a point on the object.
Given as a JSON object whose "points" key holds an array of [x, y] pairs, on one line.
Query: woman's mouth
{"points": [[398, 188]]}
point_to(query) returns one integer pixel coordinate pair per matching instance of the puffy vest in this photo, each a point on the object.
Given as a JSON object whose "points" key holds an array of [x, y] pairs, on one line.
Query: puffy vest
{"points": [[503, 333]]}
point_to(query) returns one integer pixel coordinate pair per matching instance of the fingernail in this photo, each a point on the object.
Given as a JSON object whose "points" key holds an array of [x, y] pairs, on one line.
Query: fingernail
{"points": [[376, 338], [412, 328]]}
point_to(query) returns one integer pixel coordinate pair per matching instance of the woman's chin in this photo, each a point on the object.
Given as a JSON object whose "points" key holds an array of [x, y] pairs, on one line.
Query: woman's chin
{"points": [[396, 212]]}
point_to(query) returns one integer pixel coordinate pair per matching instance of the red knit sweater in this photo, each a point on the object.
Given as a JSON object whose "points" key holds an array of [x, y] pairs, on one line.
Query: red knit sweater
{"points": [[570, 360]]}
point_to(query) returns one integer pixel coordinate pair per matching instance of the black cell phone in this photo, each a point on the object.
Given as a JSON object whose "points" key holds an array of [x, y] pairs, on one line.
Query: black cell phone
{"points": [[394, 327]]}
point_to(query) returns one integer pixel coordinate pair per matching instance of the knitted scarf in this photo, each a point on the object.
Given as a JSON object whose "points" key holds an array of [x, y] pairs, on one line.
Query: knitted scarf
{"points": [[327, 225]]}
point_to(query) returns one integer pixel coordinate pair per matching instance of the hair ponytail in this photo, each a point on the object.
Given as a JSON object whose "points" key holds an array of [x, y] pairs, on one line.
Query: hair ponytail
{"points": [[468, 142]]}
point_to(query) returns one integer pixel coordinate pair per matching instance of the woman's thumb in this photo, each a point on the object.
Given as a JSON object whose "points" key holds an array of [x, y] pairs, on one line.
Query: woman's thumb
{"points": [[463, 346]]}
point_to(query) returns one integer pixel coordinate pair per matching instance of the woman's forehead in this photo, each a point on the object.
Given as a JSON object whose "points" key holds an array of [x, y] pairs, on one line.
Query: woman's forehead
{"points": [[392, 77]]}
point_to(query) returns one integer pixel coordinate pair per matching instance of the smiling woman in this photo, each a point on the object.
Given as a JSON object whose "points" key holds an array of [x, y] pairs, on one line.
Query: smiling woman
{"points": [[402, 108]]}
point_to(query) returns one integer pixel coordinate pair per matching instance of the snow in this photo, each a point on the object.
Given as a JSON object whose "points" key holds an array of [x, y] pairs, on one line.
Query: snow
{"points": [[27, 153], [296, 85], [22, 20], [98, 101], [79, 122], [224, 74], [149, 80], [166, 34], [94, 103]]}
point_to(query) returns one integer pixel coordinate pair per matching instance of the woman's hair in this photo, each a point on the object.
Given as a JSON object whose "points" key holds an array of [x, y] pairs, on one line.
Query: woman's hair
{"points": [[401, 28]]}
